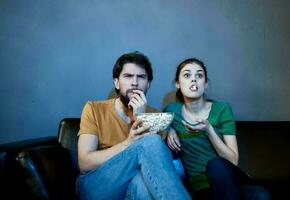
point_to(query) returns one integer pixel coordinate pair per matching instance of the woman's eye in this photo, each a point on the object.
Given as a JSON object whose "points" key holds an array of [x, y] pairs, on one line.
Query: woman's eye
{"points": [[199, 75], [186, 75]]}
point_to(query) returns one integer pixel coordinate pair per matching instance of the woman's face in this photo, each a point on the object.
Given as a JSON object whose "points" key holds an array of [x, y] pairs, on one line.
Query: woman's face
{"points": [[192, 81]]}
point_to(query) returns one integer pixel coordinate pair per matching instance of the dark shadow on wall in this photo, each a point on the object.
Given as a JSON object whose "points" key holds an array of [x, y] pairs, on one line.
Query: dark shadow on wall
{"points": [[169, 97], [112, 94]]}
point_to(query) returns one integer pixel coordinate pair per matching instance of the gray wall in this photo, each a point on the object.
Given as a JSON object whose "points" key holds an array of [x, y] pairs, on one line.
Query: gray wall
{"points": [[56, 55]]}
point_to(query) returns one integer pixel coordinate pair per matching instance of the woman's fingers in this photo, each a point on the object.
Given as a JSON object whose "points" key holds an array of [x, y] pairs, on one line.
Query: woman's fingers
{"points": [[173, 143], [194, 128], [190, 128], [176, 143]]}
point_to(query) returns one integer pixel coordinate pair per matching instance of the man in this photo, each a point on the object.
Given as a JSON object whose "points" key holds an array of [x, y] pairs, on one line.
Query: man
{"points": [[118, 157]]}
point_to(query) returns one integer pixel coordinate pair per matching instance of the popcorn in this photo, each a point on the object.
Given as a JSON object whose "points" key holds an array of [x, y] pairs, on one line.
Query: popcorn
{"points": [[156, 121]]}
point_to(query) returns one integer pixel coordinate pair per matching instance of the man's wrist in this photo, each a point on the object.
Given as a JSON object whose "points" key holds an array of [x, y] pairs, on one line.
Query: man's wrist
{"points": [[140, 110], [126, 142]]}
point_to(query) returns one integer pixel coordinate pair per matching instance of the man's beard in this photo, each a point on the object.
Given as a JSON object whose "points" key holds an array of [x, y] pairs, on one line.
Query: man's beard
{"points": [[125, 98]]}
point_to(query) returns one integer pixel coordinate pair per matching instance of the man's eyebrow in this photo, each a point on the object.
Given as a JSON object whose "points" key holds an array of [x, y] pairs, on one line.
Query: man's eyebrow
{"points": [[131, 74], [127, 73]]}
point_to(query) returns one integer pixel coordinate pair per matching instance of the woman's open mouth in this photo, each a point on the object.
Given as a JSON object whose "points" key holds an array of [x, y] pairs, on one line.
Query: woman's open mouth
{"points": [[193, 88]]}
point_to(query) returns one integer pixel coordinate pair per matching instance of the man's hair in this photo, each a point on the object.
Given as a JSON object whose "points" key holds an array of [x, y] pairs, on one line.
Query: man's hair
{"points": [[134, 57]]}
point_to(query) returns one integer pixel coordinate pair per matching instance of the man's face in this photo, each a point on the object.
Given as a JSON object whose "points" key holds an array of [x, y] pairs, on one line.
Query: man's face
{"points": [[132, 77]]}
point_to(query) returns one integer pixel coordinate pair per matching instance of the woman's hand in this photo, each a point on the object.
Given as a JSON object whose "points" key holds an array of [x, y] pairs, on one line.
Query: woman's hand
{"points": [[172, 140], [202, 125]]}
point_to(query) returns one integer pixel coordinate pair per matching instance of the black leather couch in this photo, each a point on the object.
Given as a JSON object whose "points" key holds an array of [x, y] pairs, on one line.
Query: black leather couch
{"points": [[46, 168]]}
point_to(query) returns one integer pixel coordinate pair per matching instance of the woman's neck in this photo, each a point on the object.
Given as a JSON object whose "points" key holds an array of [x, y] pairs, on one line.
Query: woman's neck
{"points": [[196, 105]]}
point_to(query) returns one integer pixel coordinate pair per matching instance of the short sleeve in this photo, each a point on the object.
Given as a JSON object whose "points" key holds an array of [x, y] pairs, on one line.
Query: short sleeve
{"points": [[228, 126], [169, 107], [88, 123]]}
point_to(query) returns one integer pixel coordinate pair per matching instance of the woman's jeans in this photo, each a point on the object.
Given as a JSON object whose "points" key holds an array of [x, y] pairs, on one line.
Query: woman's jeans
{"points": [[144, 170], [227, 181]]}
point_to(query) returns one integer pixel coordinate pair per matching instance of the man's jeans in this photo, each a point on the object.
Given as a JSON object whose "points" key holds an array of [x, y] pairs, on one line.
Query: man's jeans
{"points": [[144, 170]]}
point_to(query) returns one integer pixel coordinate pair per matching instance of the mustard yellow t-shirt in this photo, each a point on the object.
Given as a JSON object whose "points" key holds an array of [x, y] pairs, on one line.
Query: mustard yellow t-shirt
{"points": [[101, 119]]}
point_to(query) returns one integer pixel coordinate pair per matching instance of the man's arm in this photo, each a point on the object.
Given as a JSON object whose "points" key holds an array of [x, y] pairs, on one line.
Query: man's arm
{"points": [[88, 155], [90, 158]]}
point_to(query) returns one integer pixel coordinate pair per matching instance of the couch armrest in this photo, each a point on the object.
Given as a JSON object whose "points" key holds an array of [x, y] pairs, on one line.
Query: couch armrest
{"points": [[48, 172], [11, 178], [18, 145]]}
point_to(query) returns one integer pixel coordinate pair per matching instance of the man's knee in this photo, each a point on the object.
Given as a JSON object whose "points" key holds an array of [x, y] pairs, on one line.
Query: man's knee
{"points": [[137, 189], [136, 184], [154, 145], [152, 141]]}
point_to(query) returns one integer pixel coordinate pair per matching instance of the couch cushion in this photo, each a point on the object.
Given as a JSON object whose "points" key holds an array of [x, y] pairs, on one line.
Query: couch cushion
{"points": [[264, 149], [48, 172], [12, 181]]}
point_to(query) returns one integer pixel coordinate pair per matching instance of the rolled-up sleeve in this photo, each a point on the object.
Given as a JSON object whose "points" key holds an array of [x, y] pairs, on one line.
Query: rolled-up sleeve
{"points": [[89, 123]]}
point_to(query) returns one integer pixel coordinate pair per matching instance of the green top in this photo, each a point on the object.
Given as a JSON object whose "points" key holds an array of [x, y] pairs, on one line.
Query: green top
{"points": [[196, 149]]}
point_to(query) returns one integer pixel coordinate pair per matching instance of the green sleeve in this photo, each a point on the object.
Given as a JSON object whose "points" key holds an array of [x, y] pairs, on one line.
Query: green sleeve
{"points": [[169, 108], [228, 126]]}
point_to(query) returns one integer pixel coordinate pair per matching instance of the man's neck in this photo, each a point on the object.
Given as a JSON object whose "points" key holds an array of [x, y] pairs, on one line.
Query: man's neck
{"points": [[124, 112]]}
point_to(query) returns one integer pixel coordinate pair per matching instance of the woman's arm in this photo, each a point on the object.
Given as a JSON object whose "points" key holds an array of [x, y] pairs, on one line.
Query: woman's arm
{"points": [[172, 140], [228, 148]]}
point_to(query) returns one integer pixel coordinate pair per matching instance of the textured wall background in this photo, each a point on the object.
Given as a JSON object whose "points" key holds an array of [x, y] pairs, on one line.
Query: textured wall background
{"points": [[56, 55]]}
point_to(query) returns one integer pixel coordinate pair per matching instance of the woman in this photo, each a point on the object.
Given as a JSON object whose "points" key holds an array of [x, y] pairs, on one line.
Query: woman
{"points": [[203, 131]]}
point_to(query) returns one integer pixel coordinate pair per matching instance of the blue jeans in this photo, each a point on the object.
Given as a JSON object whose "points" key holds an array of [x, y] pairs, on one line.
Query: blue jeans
{"points": [[137, 189], [143, 170], [227, 181]]}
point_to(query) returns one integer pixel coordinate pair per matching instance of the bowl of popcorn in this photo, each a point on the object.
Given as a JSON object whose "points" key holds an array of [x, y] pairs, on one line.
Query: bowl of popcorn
{"points": [[156, 121]]}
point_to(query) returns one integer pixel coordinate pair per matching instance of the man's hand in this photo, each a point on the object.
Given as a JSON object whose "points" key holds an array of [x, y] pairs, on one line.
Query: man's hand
{"points": [[172, 140], [138, 102], [137, 132]]}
